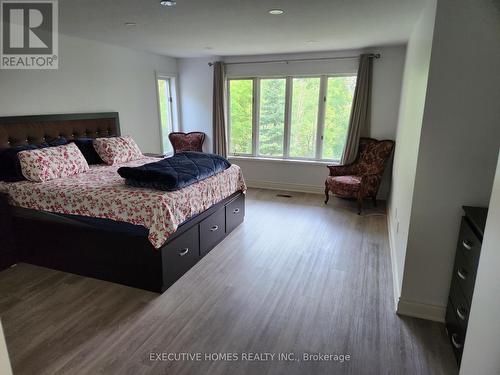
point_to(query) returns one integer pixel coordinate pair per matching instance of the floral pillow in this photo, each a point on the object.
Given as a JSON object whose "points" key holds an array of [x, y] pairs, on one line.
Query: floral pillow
{"points": [[116, 150], [53, 162]]}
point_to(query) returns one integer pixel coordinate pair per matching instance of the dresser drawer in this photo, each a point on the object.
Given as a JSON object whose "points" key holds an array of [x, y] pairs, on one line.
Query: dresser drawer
{"points": [[235, 213], [460, 305], [212, 231], [469, 246], [455, 332], [180, 255], [464, 276]]}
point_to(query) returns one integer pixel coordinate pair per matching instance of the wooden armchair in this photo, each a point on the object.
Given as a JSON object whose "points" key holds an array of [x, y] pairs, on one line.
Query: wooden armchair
{"points": [[187, 141], [362, 178]]}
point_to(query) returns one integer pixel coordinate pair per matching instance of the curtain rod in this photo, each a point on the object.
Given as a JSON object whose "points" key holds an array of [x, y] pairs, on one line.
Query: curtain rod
{"points": [[373, 55]]}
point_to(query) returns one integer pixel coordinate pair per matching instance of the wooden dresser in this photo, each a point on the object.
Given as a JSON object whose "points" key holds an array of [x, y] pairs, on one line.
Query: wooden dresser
{"points": [[464, 276]]}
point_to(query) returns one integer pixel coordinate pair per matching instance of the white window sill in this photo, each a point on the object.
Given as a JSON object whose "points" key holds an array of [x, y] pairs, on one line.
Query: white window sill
{"points": [[261, 159]]}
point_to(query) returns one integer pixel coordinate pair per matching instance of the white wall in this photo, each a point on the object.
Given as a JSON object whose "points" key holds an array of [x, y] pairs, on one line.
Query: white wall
{"points": [[196, 93], [482, 350], [92, 77], [5, 368], [416, 71], [196, 99], [458, 149]]}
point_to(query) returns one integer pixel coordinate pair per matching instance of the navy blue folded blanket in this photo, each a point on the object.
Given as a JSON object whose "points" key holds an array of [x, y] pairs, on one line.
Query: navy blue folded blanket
{"points": [[176, 172]]}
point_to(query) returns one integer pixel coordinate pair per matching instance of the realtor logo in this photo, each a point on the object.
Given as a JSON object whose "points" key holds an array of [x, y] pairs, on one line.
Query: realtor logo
{"points": [[29, 34]]}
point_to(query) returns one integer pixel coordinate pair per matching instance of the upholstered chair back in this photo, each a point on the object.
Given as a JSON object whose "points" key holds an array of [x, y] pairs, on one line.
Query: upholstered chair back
{"points": [[187, 141], [372, 156]]}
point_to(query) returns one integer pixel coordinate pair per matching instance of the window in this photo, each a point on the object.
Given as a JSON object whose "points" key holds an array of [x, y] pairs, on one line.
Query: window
{"points": [[167, 110], [272, 117], [241, 116], [339, 97], [305, 104], [290, 117]]}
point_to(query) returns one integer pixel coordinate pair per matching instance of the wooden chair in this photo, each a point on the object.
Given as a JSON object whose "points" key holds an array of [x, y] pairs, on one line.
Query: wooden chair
{"points": [[362, 178], [187, 141]]}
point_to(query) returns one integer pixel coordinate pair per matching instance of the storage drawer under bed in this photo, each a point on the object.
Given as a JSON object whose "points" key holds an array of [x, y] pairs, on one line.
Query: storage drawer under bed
{"points": [[212, 231], [235, 213], [184, 251], [179, 255]]}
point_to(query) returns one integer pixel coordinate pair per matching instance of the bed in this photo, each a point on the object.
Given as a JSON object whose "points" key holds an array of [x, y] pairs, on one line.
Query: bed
{"points": [[92, 224]]}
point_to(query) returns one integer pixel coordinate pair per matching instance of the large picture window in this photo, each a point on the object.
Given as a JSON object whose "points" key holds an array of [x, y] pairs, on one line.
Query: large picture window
{"points": [[302, 118]]}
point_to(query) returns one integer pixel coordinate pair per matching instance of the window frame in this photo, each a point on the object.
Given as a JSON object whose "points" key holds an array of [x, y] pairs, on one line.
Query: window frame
{"points": [[228, 114], [325, 99], [318, 118], [320, 125], [255, 153], [173, 107]]}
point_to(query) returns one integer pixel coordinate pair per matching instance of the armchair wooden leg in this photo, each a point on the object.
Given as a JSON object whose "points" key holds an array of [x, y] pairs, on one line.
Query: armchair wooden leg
{"points": [[360, 204], [374, 201], [327, 196]]}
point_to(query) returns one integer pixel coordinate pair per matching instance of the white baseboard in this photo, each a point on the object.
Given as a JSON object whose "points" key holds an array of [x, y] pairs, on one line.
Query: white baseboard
{"points": [[403, 306], [287, 186], [394, 263], [421, 310]]}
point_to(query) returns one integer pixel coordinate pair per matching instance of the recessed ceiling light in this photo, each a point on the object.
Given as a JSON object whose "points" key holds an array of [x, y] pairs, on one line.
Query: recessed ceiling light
{"points": [[130, 24], [168, 3], [311, 41], [276, 12]]}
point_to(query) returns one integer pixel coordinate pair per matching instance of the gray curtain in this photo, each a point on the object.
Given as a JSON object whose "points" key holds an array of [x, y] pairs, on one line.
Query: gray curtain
{"points": [[359, 122], [219, 110]]}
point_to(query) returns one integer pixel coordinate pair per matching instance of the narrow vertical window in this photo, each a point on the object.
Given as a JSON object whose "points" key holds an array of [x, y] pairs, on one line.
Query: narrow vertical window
{"points": [[272, 116], [337, 112], [166, 112], [305, 102], [240, 116]]}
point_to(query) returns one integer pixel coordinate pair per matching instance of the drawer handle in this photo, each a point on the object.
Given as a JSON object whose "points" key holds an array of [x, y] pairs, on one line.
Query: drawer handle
{"points": [[184, 251], [214, 228], [462, 315], [454, 341], [467, 244], [236, 210], [462, 273]]}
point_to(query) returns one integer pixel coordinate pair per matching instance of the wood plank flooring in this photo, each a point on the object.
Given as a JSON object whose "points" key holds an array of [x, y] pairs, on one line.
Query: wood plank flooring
{"points": [[297, 277]]}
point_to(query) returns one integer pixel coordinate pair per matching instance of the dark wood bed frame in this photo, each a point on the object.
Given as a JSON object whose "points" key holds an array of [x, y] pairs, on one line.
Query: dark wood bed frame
{"points": [[103, 249]]}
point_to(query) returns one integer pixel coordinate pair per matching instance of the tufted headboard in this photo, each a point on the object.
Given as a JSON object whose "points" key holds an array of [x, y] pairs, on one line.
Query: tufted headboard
{"points": [[21, 130]]}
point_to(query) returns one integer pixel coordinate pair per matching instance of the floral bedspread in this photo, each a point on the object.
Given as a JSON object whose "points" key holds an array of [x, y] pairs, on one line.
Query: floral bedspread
{"points": [[102, 193]]}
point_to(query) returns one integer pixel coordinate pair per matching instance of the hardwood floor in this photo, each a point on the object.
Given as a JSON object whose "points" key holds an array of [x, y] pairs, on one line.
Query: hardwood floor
{"points": [[297, 277]]}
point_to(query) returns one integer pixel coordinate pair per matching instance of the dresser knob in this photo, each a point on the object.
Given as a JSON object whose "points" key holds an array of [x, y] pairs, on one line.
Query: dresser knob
{"points": [[236, 210], [467, 244], [454, 341], [214, 228], [461, 314], [184, 251], [462, 273]]}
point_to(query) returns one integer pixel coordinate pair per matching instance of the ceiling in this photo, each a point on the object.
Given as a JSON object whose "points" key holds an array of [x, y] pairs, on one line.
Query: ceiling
{"points": [[196, 28]]}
